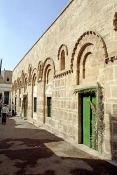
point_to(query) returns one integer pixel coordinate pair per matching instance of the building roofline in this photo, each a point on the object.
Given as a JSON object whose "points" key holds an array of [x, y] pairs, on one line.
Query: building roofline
{"points": [[45, 31]]}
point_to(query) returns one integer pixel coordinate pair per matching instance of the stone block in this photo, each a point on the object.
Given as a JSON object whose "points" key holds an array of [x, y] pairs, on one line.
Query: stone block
{"points": [[114, 108], [114, 129], [108, 108], [107, 146], [109, 74], [114, 91]]}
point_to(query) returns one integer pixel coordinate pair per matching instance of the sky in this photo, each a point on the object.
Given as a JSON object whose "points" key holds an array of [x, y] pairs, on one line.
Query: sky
{"points": [[22, 22]]}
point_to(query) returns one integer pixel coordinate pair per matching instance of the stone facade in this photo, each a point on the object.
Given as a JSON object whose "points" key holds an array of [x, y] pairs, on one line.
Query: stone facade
{"points": [[75, 52]]}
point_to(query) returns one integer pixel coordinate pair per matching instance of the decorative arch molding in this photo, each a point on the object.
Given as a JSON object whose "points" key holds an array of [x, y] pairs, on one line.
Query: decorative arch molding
{"points": [[48, 77], [29, 74], [25, 81], [89, 38], [61, 48], [25, 76], [22, 78], [34, 76], [110, 59], [115, 21], [14, 87], [18, 82], [83, 50], [40, 71], [50, 62]]}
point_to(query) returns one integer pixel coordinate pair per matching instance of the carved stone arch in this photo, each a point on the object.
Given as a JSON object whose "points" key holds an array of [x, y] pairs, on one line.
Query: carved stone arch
{"points": [[15, 85], [115, 21], [29, 74], [62, 54], [48, 77], [40, 71], [94, 39], [25, 81], [18, 82], [46, 73], [83, 52], [34, 76], [22, 78], [48, 62], [84, 61], [62, 47], [25, 78], [88, 44], [19, 85]]}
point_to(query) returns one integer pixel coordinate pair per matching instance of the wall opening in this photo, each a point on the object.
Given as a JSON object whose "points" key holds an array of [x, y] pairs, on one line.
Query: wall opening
{"points": [[35, 104], [49, 106]]}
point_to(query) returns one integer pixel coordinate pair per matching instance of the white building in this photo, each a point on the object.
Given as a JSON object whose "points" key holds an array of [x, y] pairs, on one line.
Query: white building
{"points": [[6, 86]]}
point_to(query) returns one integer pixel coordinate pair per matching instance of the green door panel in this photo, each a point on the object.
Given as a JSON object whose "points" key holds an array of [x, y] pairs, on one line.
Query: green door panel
{"points": [[86, 121]]}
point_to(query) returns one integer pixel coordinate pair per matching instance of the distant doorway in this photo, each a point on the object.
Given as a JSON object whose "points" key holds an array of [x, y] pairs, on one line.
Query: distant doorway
{"points": [[6, 97], [0, 97]]}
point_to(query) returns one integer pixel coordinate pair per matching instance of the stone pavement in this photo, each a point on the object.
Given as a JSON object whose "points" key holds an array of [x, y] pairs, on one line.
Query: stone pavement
{"points": [[26, 149]]}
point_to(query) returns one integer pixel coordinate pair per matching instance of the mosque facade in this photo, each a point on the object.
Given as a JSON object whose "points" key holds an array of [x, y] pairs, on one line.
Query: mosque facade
{"points": [[67, 81]]}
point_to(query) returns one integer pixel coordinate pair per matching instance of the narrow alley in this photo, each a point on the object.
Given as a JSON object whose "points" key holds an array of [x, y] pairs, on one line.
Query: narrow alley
{"points": [[29, 150]]}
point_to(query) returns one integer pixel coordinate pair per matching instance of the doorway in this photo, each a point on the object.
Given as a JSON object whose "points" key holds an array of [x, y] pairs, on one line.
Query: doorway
{"points": [[49, 106], [25, 105], [88, 120]]}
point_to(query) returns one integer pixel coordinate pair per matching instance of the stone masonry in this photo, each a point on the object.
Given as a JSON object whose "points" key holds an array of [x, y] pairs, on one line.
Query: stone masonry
{"points": [[78, 50]]}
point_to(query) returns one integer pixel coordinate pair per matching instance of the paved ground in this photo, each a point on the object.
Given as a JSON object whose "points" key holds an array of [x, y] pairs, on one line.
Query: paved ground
{"points": [[28, 150]]}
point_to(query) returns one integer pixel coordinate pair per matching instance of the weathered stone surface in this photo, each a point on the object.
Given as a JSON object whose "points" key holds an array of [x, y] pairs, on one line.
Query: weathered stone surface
{"points": [[82, 40]]}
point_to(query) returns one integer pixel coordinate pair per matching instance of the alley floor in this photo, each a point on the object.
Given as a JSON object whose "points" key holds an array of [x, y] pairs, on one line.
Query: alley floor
{"points": [[29, 150]]}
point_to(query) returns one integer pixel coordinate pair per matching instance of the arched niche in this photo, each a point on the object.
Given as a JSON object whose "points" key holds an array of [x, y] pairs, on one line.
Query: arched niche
{"points": [[29, 74], [88, 56], [48, 77], [62, 55], [40, 71]]}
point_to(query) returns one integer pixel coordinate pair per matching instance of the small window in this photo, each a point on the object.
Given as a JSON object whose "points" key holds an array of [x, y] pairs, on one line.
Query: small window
{"points": [[49, 106], [62, 60], [35, 104], [7, 79]]}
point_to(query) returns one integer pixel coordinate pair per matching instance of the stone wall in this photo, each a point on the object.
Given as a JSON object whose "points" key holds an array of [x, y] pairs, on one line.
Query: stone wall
{"points": [[84, 31], [111, 108]]}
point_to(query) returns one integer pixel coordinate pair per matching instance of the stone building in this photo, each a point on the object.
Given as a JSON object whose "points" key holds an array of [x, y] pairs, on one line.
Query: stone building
{"points": [[67, 81], [6, 86]]}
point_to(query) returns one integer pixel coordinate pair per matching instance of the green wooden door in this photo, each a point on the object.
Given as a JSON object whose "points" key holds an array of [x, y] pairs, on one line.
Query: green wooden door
{"points": [[88, 121]]}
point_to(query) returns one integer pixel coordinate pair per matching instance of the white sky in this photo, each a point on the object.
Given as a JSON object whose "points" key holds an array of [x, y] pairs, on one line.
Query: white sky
{"points": [[22, 22]]}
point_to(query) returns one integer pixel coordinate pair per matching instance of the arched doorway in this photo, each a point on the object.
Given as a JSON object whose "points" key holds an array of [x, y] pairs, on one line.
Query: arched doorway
{"points": [[48, 74]]}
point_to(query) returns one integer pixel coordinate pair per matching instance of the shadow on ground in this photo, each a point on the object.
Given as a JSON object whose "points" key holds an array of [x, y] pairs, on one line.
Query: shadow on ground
{"points": [[24, 152]]}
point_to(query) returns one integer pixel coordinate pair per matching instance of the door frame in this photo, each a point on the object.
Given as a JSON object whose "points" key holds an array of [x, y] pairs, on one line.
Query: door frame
{"points": [[90, 95]]}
